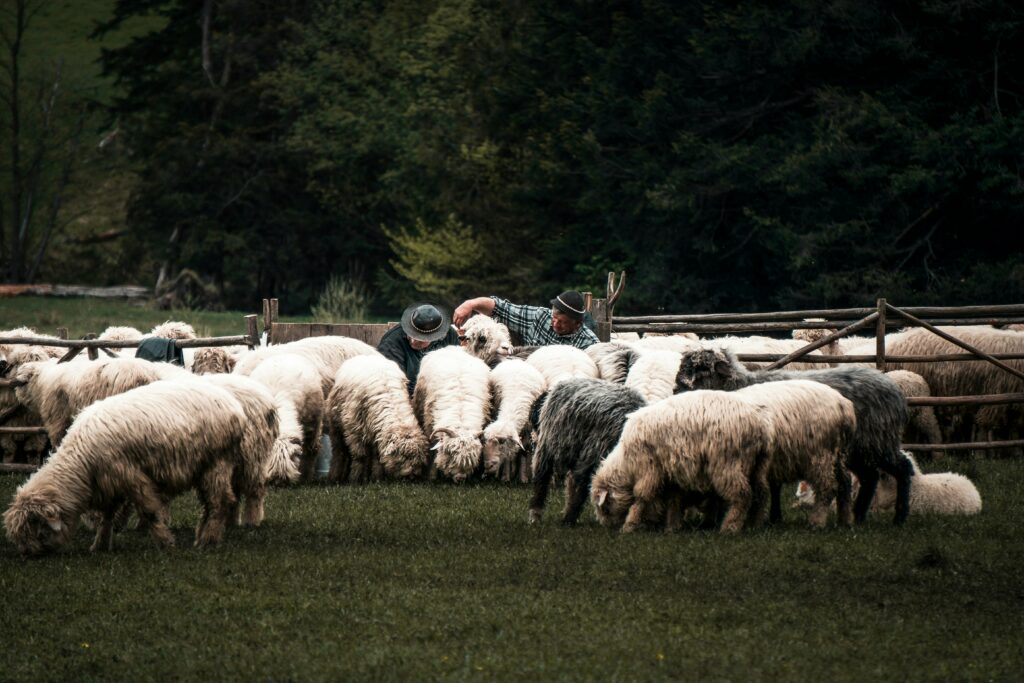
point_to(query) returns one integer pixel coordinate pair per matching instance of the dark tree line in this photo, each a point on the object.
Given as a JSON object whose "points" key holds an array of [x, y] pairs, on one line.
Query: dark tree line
{"points": [[728, 155]]}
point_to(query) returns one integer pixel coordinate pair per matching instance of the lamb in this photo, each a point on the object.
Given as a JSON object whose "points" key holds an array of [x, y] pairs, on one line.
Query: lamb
{"points": [[881, 413], [613, 359], [703, 442], [57, 392], [294, 381], [922, 427], [371, 423], [487, 339], [558, 362], [810, 427], [653, 374], [145, 445], [451, 402], [581, 422], [327, 353], [940, 493], [515, 386]]}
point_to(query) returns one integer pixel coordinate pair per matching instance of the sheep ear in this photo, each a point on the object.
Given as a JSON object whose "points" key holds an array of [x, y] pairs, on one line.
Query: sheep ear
{"points": [[601, 498]]}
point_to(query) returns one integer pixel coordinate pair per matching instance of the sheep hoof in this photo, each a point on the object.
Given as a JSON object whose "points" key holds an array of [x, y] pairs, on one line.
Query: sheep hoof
{"points": [[535, 516]]}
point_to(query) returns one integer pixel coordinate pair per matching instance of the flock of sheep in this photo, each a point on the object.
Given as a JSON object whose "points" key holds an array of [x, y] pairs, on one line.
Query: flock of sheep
{"points": [[650, 430]]}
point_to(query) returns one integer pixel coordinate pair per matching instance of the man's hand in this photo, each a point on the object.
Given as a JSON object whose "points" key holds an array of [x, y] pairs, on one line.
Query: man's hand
{"points": [[483, 305]]}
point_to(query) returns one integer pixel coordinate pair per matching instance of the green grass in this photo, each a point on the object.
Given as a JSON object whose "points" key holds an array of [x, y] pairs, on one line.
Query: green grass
{"points": [[420, 582], [80, 316]]}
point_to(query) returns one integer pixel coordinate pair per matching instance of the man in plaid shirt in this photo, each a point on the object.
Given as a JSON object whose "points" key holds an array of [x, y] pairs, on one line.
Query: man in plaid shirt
{"points": [[535, 325]]}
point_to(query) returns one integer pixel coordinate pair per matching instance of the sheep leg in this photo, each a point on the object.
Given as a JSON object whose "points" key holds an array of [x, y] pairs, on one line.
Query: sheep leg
{"points": [[844, 488], [645, 488], [736, 493], [252, 514], [635, 516], [569, 491], [541, 484], [903, 473], [104, 539], [868, 477], [216, 493], [341, 459], [310, 452], [675, 503], [928, 426], [524, 468], [580, 482], [148, 503], [761, 492]]}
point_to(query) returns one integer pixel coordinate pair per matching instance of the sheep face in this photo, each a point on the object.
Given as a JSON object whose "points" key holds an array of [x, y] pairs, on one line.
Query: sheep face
{"points": [[405, 456], [23, 381], [611, 502], [487, 339], [456, 455], [705, 369], [35, 526], [499, 449]]}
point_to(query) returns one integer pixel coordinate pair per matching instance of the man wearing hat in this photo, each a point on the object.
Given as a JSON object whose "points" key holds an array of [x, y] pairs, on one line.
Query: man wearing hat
{"points": [[535, 325], [424, 328]]}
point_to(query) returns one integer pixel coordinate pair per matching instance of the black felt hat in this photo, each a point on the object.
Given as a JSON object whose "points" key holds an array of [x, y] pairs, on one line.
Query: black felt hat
{"points": [[426, 322], [570, 302]]}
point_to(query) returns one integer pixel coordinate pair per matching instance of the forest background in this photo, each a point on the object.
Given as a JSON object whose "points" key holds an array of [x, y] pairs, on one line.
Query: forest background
{"points": [[730, 156]]}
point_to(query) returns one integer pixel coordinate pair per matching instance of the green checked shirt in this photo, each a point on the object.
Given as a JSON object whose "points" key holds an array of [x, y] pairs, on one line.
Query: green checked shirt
{"points": [[533, 325]]}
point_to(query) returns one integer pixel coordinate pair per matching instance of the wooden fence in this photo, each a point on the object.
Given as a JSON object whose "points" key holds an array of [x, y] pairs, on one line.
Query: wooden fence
{"points": [[884, 316]]}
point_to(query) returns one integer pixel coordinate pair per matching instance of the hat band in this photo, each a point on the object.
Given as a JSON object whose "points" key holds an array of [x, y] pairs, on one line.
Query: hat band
{"points": [[423, 331], [561, 301]]}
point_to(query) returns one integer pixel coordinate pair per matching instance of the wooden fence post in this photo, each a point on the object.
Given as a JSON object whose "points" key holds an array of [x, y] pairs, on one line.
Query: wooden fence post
{"points": [[252, 331], [92, 350], [880, 337]]}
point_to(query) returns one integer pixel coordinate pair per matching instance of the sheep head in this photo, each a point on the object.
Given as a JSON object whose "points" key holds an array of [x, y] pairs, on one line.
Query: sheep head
{"points": [[705, 369], [406, 455], [35, 525], [212, 360], [487, 339], [456, 455], [501, 445]]}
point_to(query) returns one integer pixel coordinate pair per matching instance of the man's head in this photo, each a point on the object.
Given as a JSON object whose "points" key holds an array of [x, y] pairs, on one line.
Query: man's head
{"points": [[425, 323], [567, 311]]}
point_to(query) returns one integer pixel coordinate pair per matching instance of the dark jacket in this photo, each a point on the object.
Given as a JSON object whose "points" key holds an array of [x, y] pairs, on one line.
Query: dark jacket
{"points": [[394, 345]]}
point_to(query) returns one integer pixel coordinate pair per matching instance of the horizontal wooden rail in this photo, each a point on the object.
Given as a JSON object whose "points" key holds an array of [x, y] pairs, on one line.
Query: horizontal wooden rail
{"points": [[618, 325], [969, 446], [10, 467], [239, 339], [977, 400], [1011, 310]]}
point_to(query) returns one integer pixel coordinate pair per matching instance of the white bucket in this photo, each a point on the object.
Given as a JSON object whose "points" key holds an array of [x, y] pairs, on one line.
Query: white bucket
{"points": [[323, 460]]}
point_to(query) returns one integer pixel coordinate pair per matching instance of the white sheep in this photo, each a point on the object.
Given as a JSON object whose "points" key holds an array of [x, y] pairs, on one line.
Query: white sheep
{"points": [[938, 493], [811, 426], [451, 402], [487, 339], [57, 392], [653, 374], [515, 385], [613, 359], [22, 447], [327, 353], [294, 380], [559, 362], [142, 446], [674, 342], [702, 442], [215, 359], [370, 420]]}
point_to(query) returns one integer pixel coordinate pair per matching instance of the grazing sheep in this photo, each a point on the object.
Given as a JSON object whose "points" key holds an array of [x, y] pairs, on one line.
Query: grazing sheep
{"points": [[653, 374], [880, 408], [273, 452], [939, 493], [811, 427], [515, 386], [327, 353], [703, 442], [613, 359], [294, 380], [451, 402], [58, 392], [581, 422], [487, 339], [370, 420], [922, 427], [559, 362], [143, 446]]}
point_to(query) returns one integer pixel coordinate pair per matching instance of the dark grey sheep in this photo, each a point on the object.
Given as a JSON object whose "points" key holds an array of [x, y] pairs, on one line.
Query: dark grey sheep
{"points": [[580, 423], [880, 407]]}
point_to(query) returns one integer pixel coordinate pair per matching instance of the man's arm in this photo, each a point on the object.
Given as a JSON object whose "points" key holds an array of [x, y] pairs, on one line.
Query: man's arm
{"points": [[483, 305]]}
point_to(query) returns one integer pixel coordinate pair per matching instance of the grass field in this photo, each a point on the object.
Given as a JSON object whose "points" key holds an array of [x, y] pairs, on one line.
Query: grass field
{"points": [[417, 582], [81, 316]]}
